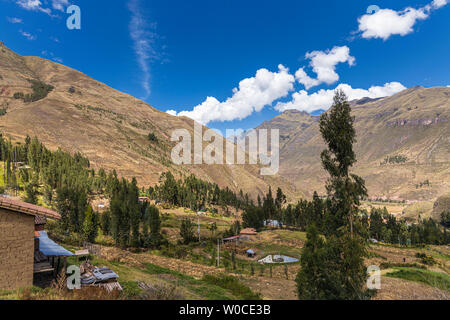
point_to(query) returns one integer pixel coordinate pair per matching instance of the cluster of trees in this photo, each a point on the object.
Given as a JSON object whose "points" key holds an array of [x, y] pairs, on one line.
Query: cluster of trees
{"points": [[130, 222], [67, 182], [385, 227], [397, 159], [422, 184], [194, 193], [267, 208], [40, 91]]}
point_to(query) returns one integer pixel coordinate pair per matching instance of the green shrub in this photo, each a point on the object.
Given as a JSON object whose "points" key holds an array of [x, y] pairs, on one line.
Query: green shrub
{"points": [[425, 259], [40, 91], [152, 137], [18, 95], [233, 285], [2, 112]]}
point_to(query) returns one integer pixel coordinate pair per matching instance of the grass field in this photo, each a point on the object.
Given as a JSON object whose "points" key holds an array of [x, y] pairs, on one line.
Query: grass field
{"points": [[434, 279]]}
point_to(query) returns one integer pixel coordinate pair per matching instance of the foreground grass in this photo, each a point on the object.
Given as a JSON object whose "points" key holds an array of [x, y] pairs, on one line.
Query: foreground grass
{"points": [[434, 279]]}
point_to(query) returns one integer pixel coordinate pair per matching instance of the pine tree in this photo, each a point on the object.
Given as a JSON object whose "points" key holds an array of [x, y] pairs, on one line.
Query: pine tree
{"points": [[187, 231], [30, 193], [334, 268], [154, 222], [90, 225]]}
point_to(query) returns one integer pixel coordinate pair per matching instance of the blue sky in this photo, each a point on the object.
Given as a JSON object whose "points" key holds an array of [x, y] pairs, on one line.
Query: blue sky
{"points": [[176, 54]]}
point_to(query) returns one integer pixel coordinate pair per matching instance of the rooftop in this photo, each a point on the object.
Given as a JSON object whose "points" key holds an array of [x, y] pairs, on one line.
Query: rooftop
{"points": [[27, 208]]}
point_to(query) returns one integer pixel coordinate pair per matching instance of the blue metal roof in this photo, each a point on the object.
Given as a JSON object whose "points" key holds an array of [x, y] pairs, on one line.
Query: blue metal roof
{"points": [[50, 248]]}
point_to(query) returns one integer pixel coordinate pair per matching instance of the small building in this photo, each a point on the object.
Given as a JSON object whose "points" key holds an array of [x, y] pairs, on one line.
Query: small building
{"points": [[251, 253], [272, 223], [18, 224], [231, 239], [248, 234]]}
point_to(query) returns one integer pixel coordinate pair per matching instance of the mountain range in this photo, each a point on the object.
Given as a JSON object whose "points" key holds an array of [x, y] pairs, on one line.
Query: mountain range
{"points": [[403, 145], [403, 141], [109, 127]]}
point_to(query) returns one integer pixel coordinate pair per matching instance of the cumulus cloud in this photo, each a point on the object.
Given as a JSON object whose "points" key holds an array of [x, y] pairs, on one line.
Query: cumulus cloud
{"points": [[252, 95], [323, 99], [387, 22], [324, 65], [144, 37]]}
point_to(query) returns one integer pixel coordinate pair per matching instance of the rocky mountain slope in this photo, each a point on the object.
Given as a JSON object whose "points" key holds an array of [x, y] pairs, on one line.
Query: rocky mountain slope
{"points": [[411, 130], [109, 127]]}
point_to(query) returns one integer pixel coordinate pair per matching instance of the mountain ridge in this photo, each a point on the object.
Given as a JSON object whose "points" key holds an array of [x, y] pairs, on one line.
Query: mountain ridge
{"points": [[414, 123], [109, 127]]}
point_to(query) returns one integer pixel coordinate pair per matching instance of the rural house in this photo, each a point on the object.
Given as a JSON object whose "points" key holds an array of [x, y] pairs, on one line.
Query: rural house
{"points": [[20, 224], [248, 234]]}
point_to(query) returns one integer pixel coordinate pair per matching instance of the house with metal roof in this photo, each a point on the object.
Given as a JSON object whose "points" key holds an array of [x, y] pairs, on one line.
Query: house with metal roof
{"points": [[23, 243]]}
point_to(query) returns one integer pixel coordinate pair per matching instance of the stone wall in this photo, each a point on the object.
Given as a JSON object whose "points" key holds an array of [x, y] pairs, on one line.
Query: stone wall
{"points": [[16, 249]]}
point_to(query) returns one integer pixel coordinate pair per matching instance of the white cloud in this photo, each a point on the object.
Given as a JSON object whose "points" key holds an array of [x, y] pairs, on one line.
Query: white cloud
{"points": [[252, 95], [60, 5], [37, 5], [33, 5], [437, 4], [14, 20], [143, 35], [324, 64], [171, 112], [387, 22], [323, 99], [27, 35]]}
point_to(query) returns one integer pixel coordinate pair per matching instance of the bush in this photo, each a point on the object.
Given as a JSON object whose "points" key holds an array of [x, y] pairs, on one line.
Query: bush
{"points": [[233, 285], [2, 112], [187, 231], [155, 291], [152, 137], [18, 95], [427, 260]]}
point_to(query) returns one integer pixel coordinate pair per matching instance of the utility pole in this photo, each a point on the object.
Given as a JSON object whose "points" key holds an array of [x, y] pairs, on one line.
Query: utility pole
{"points": [[218, 253], [199, 240]]}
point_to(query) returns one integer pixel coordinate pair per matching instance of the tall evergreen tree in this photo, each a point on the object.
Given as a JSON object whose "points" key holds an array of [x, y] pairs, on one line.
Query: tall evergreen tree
{"points": [[155, 238], [339, 260], [90, 225]]}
